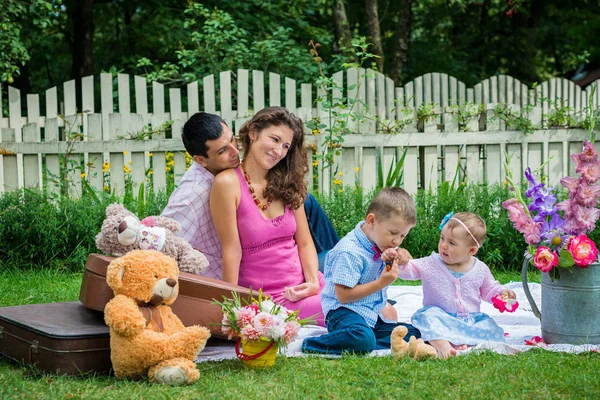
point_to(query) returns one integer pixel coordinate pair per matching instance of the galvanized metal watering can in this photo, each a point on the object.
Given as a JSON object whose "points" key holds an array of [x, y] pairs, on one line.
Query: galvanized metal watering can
{"points": [[570, 305]]}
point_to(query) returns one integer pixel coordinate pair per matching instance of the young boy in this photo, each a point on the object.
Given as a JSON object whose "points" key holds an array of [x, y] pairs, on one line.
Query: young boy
{"points": [[356, 279]]}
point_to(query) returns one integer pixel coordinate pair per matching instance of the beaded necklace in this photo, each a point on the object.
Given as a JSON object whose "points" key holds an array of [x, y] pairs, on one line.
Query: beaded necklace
{"points": [[251, 189]]}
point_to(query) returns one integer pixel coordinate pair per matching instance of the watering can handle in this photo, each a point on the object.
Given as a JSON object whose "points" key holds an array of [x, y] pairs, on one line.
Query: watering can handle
{"points": [[534, 307]]}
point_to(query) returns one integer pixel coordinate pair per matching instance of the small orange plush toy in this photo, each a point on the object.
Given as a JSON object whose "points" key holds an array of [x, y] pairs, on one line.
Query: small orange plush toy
{"points": [[146, 337]]}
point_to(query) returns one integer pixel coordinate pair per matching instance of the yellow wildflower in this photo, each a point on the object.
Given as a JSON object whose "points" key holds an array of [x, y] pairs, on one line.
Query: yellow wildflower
{"points": [[125, 153], [315, 131], [150, 172], [340, 173], [340, 191], [336, 181], [83, 175], [130, 162], [315, 163], [105, 167], [106, 188], [126, 169], [170, 163], [356, 169], [150, 154]]}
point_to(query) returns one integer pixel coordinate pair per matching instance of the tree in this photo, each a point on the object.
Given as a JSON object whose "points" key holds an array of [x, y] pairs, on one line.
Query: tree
{"points": [[374, 32]]}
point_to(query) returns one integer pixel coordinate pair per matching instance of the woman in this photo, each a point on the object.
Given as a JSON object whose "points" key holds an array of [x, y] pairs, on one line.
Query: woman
{"points": [[259, 216]]}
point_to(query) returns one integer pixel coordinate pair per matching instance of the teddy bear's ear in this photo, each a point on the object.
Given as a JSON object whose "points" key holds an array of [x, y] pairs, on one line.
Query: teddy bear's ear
{"points": [[115, 209], [115, 272]]}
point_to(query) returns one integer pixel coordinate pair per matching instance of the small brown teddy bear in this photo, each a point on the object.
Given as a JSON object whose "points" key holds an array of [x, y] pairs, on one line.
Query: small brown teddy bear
{"points": [[122, 232], [415, 348], [146, 337]]}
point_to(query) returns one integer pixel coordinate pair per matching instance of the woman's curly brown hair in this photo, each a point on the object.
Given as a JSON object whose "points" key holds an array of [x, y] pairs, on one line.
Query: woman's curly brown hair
{"points": [[285, 181]]}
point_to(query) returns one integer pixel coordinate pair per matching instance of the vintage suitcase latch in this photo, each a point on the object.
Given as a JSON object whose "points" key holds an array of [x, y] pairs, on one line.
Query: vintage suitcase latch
{"points": [[34, 346]]}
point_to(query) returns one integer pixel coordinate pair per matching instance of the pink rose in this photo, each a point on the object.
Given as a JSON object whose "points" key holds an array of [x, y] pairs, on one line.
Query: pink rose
{"points": [[545, 259], [583, 249], [504, 303]]}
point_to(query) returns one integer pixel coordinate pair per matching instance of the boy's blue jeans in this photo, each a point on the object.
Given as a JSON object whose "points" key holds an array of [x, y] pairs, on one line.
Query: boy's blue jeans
{"points": [[323, 234], [349, 332]]}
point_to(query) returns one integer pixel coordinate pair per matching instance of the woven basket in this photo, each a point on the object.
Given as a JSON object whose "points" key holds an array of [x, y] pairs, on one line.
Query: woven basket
{"points": [[256, 353]]}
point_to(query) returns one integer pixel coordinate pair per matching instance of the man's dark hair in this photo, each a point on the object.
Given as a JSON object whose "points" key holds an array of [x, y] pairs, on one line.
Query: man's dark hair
{"points": [[198, 129]]}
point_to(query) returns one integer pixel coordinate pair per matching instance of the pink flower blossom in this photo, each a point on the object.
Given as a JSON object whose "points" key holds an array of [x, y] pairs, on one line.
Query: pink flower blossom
{"points": [[249, 333], [545, 259], [587, 195], [587, 156], [244, 316], [263, 321], [291, 331], [536, 341], [570, 183], [583, 249], [504, 303], [531, 230], [590, 173]]}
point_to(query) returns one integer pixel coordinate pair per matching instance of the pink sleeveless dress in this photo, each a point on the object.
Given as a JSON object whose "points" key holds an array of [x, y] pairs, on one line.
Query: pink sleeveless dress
{"points": [[270, 258]]}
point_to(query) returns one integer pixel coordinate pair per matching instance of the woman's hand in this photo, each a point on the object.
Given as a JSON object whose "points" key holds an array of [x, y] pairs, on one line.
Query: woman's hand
{"points": [[301, 291]]}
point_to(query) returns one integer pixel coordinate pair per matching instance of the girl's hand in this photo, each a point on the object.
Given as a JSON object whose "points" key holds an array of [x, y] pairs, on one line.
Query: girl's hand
{"points": [[301, 291], [509, 293], [403, 256]]}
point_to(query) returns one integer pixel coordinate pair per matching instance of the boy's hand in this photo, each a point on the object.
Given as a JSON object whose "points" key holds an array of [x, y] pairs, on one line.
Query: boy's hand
{"points": [[509, 293], [403, 256], [390, 273], [389, 255]]}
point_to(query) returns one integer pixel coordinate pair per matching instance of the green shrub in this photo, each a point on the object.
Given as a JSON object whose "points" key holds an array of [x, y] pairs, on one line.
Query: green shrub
{"points": [[37, 231]]}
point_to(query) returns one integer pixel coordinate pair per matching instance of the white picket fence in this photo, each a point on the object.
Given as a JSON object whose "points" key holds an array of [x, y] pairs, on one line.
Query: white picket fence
{"points": [[33, 145]]}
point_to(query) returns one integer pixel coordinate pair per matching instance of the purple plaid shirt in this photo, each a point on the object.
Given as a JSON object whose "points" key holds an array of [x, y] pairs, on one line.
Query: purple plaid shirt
{"points": [[189, 204]]}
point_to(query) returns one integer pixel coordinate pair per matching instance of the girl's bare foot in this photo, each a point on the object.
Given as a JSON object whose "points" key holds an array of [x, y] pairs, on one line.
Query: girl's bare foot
{"points": [[460, 346], [443, 347]]}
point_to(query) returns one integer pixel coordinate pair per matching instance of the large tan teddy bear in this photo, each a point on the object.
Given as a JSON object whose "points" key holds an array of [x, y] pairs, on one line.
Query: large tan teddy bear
{"points": [[415, 348], [146, 338], [122, 232]]}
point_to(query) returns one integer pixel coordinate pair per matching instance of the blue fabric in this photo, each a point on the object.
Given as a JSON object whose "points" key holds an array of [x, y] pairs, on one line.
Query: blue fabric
{"points": [[351, 263], [323, 234], [434, 323], [349, 332]]}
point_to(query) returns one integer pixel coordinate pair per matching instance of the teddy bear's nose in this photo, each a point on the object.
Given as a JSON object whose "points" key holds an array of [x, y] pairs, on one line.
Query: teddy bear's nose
{"points": [[122, 226], [171, 282]]}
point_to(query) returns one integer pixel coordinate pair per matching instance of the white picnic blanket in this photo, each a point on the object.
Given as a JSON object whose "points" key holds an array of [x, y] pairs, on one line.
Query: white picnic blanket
{"points": [[520, 325]]}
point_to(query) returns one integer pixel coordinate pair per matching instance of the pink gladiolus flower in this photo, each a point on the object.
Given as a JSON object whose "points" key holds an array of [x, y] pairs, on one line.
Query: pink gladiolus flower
{"points": [[545, 259], [531, 231], [587, 156], [584, 250], [590, 173], [570, 184], [587, 195], [504, 303]]}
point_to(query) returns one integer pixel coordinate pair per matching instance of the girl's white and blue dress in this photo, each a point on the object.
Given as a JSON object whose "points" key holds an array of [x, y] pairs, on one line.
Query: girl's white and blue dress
{"points": [[451, 301]]}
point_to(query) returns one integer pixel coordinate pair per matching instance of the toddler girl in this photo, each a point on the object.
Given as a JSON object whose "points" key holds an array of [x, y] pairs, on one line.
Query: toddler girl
{"points": [[454, 283]]}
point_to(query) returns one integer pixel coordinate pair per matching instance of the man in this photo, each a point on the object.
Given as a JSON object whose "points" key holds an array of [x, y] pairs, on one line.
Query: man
{"points": [[213, 147]]}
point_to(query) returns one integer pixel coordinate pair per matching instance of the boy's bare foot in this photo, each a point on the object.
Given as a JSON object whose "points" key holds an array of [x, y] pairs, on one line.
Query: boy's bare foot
{"points": [[389, 312], [443, 347]]}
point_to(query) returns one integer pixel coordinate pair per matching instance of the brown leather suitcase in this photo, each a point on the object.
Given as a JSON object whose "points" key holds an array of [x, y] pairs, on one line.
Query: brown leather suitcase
{"points": [[56, 338], [194, 305]]}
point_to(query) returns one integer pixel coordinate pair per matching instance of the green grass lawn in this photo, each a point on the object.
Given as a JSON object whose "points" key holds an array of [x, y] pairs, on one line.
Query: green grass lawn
{"points": [[534, 374]]}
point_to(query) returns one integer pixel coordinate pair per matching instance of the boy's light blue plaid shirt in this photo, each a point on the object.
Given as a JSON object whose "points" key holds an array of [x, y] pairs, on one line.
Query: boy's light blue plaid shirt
{"points": [[351, 263]]}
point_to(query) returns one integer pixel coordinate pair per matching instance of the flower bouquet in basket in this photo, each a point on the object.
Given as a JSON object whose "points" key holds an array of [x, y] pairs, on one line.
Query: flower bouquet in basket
{"points": [[262, 327], [556, 232]]}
